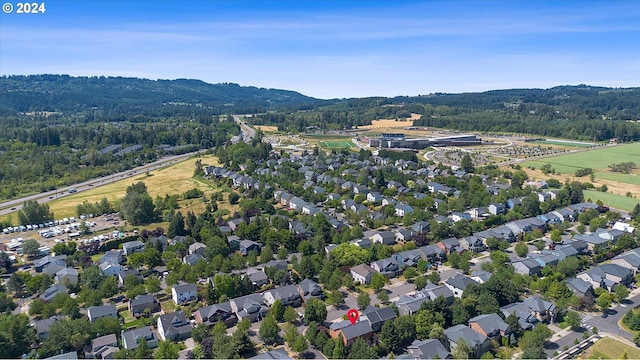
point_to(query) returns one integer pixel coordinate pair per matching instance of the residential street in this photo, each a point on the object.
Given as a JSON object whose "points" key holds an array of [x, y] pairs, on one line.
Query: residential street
{"points": [[590, 320]]}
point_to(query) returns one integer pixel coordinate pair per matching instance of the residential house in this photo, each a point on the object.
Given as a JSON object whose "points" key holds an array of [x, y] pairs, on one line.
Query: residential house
{"points": [[197, 248], [581, 288], [497, 209], [110, 269], [432, 253], [363, 243], [478, 342], [103, 347], [40, 264], [481, 276], [210, 315], [280, 265], [72, 355], [257, 277], [491, 326], [472, 243], [42, 326], [458, 284], [420, 227], [374, 197], [192, 259], [67, 276], [450, 245], [96, 312], [629, 260], [362, 273], [140, 303], [249, 306], [388, 267], [52, 291], [405, 235], [174, 326], [351, 332], [410, 304], [527, 266], [184, 293], [403, 209], [233, 224], [409, 258], [428, 349], [275, 354], [122, 275], [132, 338], [289, 296], [310, 289], [377, 316], [607, 276], [531, 311], [622, 226], [458, 216], [132, 246], [384, 237], [247, 245]]}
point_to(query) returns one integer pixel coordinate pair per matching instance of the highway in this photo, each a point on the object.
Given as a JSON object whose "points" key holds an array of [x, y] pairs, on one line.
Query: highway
{"points": [[16, 204], [248, 133]]}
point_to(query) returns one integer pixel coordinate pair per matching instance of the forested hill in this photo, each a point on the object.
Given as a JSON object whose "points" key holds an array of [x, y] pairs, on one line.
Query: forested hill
{"points": [[120, 95]]}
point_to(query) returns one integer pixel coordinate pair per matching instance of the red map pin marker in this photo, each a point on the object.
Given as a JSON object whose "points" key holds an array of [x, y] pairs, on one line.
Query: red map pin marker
{"points": [[353, 315]]}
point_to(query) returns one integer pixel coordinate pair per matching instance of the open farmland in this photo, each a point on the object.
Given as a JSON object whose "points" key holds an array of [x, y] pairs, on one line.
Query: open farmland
{"points": [[598, 159], [565, 143], [612, 200], [390, 123], [618, 184]]}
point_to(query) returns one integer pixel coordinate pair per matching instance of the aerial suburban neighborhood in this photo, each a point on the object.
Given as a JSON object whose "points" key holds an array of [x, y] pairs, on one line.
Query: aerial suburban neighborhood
{"points": [[483, 266]]}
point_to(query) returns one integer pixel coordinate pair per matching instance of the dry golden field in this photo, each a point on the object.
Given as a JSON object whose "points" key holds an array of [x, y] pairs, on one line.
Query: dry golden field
{"points": [[390, 123], [266, 128]]}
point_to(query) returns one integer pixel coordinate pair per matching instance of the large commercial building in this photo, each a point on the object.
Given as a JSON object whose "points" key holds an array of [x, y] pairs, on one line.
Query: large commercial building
{"points": [[400, 141]]}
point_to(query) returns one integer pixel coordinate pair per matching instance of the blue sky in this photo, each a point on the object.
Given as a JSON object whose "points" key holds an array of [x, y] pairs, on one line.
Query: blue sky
{"points": [[334, 49]]}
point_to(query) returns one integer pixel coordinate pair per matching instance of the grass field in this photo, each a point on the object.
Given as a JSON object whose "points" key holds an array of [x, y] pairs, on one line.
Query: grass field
{"points": [[596, 159], [266, 128], [336, 144], [565, 143], [612, 200], [607, 348], [174, 179]]}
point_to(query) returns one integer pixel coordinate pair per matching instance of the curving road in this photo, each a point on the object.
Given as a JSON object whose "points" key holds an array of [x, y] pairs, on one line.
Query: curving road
{"points": [[16, 204], [248, 133]]}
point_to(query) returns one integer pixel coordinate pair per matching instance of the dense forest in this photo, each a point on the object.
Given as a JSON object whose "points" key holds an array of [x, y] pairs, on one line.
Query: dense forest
{"points": [[132, 99]]}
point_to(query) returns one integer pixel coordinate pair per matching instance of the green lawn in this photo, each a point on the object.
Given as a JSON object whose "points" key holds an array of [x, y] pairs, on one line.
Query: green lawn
{"points": [[614, 201], [565, 143], [632, 179], [336, 144], [598, 159], [607, 348]]}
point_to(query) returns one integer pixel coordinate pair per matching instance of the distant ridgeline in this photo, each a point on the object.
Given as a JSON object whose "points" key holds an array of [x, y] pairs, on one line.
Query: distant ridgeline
{"points": [[120, 98], [575, 112]]}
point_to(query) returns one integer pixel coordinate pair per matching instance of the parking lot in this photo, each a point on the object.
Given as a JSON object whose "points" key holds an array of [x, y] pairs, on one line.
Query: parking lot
{"points": [[102, 228]]}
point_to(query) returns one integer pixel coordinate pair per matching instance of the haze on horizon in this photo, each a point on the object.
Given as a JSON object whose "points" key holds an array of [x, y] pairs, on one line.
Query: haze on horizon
{"points": [[334, 49]]}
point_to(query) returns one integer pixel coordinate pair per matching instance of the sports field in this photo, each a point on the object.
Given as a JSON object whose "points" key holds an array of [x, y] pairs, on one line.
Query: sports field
{"points": [[337, 144]]}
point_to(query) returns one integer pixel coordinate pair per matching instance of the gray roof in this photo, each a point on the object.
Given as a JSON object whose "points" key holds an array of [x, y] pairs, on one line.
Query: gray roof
{"points": [[131, 337], [175, 323], [289, 292], [103, 341], [363, 269], [279, 353], [101, 311], [538, 304], [490, 323], [578, 285], [460, 282], [185, 288], [471, 337], [428, 349], [142, 300], [210, 311], [378, 315], [360, 328]]}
